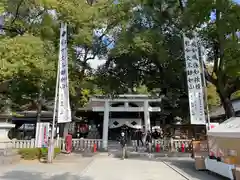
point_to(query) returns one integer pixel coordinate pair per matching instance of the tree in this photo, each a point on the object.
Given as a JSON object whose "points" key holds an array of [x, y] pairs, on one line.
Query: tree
{"points": [[40, 19], [213, 98], [149, 52], [29, 63], [220, 38]]}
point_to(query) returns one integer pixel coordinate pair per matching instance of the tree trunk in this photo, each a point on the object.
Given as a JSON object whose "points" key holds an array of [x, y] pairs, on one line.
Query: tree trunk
{"points": [[227, 105], [39, 110], [39, 106]]}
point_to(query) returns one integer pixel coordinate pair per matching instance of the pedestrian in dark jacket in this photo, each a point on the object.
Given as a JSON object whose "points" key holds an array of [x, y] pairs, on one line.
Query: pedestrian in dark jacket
{"points": [[149, 142], [123, 142], [139, 136], [156, 134]]}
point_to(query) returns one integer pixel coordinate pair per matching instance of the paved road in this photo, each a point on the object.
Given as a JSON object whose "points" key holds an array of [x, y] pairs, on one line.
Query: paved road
{"points": [[105, 168], [116, 169]]}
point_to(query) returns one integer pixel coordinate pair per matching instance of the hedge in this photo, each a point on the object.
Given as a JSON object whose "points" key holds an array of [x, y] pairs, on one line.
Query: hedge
{"points": [[36, 153]]}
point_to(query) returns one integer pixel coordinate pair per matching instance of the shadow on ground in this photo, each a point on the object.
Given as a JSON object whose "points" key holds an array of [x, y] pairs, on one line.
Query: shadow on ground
{"points": [[79, 154], [84, 153], [22, 175]]}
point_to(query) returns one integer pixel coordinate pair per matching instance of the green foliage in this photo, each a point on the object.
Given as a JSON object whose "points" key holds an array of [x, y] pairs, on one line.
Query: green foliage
{"points": [[236, 95], [25, 56], [219, 37], [213, 97], [36, 153], [29, 64], [147, 57], [44, 152], [149, 50], [30, 153], [149, 53], [30, 60]]}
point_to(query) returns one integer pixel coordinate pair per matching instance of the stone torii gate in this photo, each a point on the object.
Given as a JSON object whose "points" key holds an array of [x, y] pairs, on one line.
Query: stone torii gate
{"points": [[143, 100]]}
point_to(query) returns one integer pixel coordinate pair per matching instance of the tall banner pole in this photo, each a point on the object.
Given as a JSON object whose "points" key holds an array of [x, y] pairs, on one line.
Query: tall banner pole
{"points": [[62, 102], [205, 87], [51, 143]]}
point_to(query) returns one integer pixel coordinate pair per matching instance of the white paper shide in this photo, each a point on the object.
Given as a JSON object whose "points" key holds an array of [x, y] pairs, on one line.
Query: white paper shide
{"points": [[194, 80], [64, 110]]}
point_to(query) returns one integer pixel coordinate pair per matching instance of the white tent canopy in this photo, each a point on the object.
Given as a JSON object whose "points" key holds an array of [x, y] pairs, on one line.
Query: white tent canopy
{"points": [[229, 128]]}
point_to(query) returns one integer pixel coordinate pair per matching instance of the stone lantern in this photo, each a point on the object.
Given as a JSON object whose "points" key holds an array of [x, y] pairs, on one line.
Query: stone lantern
{"points": [[5, 116], [5, 126]]}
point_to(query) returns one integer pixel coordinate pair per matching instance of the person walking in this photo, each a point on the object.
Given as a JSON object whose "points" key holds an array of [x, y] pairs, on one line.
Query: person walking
{"points": [[134, 139], [156, 134], [149, 142], [139, 136], [123, 142]]}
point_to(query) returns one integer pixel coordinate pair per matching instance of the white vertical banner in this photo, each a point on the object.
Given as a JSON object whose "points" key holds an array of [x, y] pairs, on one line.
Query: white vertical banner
{"points": [[194, 81], [42, 134], [63, 110]]}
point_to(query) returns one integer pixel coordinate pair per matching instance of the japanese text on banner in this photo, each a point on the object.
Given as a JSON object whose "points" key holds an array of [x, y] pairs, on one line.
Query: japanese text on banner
{"points": [[194, 81], [64, 111]]}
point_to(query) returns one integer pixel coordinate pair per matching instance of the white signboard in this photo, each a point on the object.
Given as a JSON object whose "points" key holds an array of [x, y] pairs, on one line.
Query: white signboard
{"points": [[194, 80], [64, 111], [42, 134]]}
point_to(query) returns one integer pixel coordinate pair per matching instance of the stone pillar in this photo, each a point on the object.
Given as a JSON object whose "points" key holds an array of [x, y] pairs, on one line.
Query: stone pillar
{"points": [[105, 125], [5, 126], [126, 105], [4, 129], [146, 117]]}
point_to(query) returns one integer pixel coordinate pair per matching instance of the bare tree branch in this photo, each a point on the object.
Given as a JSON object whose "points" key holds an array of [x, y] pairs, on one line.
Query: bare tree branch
{"points": [[17, 11], [208, 76]]}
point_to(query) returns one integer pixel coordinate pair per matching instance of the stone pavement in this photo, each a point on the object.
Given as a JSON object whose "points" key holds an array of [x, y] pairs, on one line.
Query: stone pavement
{"points": [[129, 169], [146, 169], [104, 167]]}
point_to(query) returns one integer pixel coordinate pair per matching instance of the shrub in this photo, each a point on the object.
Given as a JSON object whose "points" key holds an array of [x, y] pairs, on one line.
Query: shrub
{"points": [[29, 153], [57, 151], [44, 152], [36, 153]]}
